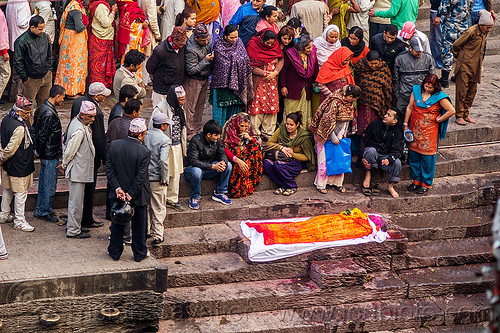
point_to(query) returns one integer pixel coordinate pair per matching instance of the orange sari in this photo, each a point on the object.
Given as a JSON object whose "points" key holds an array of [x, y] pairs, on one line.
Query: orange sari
{"points": [[135, 42], [73, 56]]}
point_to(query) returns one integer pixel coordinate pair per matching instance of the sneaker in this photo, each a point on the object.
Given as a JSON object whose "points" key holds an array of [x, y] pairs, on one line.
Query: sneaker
{"points": [[8, 219], [4, 256], [81, 235], [127, 241], [193, 203], [222, 198], [177, 206], [24, 226], [49, 218]]}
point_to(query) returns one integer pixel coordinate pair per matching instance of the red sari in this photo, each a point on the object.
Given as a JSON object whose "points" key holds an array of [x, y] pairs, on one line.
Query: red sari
{"points": [[102, 67]]}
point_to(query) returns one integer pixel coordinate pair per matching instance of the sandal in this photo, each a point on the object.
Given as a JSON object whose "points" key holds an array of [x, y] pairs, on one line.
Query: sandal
{"points": [[412, 187], [375, 190], [422, 190], [322, 190], [290, 191], [341, 189], [366, 190], [279, 191]]}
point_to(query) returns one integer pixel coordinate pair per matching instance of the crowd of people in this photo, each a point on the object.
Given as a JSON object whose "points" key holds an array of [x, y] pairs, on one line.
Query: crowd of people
{"points": [[284, 96]]}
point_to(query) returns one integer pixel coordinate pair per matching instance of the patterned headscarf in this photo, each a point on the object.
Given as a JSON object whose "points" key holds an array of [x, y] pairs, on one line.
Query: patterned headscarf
{"points": [[231, 131], [22, 104], [179, 34]]}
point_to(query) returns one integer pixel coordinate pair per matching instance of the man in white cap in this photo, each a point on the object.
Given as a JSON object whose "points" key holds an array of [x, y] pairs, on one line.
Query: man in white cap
{"points": [[159, 145], [410, 68], [468, 51], [127, 171], [78, 167], [97, 94], [173, 108]]}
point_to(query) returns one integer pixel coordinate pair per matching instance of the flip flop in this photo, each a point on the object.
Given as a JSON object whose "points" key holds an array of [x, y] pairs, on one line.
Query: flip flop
{"points": [[366, 191], [322, 190], [341, 189]]}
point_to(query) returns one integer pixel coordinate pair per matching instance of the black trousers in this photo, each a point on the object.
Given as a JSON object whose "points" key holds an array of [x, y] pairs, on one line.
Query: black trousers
{"points": [[139, 230], [88, 199]]}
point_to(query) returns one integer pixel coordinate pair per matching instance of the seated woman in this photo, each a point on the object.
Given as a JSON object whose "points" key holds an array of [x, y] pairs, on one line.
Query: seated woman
{"points": [[354, 41], [331, 122], [286, 152], [231, 85], [269, 17], [429, 110], [243, 149]]}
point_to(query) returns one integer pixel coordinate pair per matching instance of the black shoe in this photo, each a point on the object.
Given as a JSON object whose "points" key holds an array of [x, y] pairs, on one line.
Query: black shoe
{"points": [[157, 241], [49, 218], [81, 235], [85, 230], [412, 188], [422, 190], [445, 83], [109, 255], [96, 224]]}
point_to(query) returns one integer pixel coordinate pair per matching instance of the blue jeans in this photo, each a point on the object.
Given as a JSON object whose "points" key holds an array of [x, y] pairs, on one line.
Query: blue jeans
{"points": [[194, 175], [435, 41], [47, 185]]}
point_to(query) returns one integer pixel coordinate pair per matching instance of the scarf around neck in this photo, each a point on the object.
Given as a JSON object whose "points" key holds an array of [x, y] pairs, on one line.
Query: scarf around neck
{"points": [[260, 54], [356, 49], [324, 48], [298, 65]]}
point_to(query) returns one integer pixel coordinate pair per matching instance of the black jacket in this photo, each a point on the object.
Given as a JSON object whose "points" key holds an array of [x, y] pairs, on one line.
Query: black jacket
{"points": [[116, 112], [22, 163], [98, 133], [127, 167], [166, 66], [387, 140], [32, 55], [47, 132], [203, 154], [388, 52]]}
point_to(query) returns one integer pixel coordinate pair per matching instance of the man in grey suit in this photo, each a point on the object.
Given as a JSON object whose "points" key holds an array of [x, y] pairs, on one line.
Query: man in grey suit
{"points": [[78, 166]]}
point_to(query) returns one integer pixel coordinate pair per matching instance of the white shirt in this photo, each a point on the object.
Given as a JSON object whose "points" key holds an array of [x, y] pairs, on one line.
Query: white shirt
{"points": [[361, 19], [18, 14]]}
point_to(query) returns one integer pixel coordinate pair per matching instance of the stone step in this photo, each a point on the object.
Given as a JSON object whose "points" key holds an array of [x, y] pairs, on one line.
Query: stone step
{"points": [[192, 241], [226, 267], [433, 281], [447, 193], [447, 252], [472, 328], [271, 295], [386, 316], [457, 223]]}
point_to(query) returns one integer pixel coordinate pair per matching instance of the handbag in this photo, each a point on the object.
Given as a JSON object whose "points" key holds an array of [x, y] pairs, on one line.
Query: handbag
{"points": [[276, 155], [338, 157]]}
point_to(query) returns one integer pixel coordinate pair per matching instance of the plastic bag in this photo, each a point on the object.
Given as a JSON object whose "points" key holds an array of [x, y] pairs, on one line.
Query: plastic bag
{"points": [[338, 157]]}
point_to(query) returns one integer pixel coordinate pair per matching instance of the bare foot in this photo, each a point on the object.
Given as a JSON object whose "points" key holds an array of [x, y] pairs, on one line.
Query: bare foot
{"points": [[469, 120], [393, 192], [461, 121]]}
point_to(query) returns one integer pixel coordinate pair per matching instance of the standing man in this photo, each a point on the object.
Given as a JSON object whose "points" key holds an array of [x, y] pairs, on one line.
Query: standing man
{"points": [[97, 94], [18, 163], [400, 12], [159, 144], [468, 51], [126, 93], [246, 19], [18, 14], [167, 64], [199, 58], [118, 128], [435, 33], [313, 14], [453, 18], [4, 54], [127, 171], [411, 67], [48, 144], [102, 65], [78, 167], [44, 9], [388, 45], [33, 61], [127, 73]]}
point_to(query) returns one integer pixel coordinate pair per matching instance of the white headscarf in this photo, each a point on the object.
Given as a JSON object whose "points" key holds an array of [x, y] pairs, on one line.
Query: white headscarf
{"points": [[325, 49]]}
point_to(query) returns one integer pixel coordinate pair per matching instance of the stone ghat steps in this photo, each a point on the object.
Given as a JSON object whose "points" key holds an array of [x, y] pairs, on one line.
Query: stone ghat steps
{"points": [[447, 193], [226, 236], [471, 328], [329, 283], [400, 314]]}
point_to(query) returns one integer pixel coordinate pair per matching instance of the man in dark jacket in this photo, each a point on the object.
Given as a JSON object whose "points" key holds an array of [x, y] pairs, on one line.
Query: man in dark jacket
{"points": [[127, 171], [97, 94], [33, 61], [166, 64], [47, 136], [207, 159], [127, 92], [383, 147], [388, 45], [199, 58]]}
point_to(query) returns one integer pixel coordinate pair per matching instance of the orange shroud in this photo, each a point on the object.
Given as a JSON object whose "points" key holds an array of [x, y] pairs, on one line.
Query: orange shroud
{"points": [[324, 228]]}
